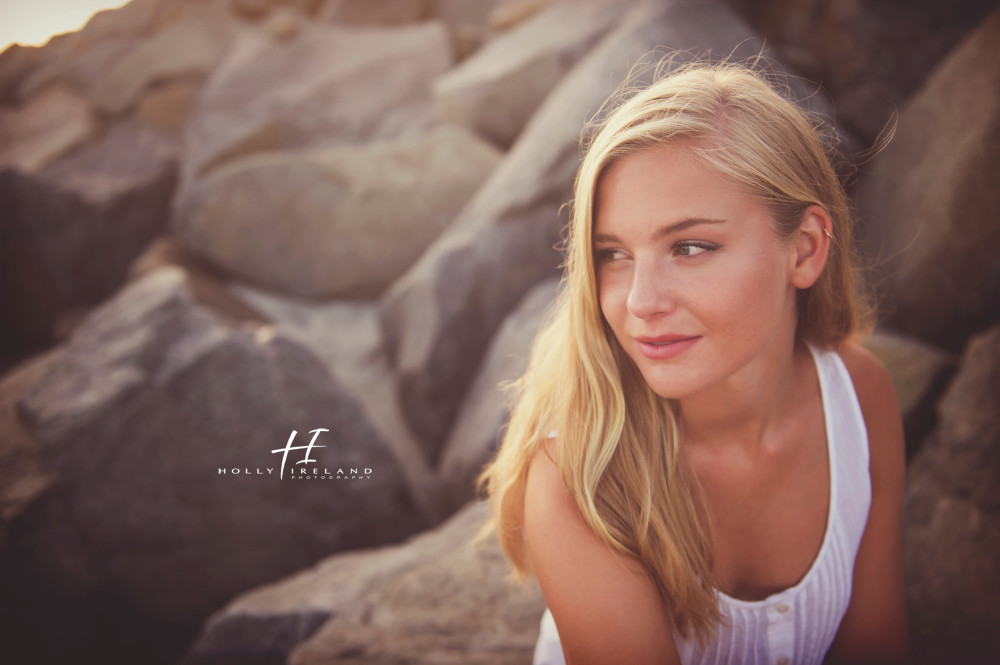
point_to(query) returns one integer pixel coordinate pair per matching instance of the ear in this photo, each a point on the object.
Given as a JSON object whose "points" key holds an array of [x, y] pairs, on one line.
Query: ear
{"points": [[811, 246]]}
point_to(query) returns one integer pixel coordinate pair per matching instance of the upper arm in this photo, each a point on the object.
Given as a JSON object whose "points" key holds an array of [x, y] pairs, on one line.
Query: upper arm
{"points": [[605, 605], [874, 629]]}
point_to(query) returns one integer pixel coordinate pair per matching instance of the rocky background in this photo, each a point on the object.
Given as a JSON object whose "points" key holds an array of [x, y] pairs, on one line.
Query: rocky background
{"points": [[222, 221]]}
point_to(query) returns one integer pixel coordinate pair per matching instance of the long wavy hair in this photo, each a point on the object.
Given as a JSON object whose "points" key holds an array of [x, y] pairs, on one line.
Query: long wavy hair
{"points": [[619, 447]]}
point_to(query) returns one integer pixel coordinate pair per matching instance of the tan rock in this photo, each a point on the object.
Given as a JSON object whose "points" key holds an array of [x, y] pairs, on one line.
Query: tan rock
{"points": [[508, 13], [46, 128], [951, 528], [328, 86], [23, 477], [166, 107], [496, 90], [474, 438], [919, 372], [433, 599], [342, 221], [365, 12], [931, 198]]}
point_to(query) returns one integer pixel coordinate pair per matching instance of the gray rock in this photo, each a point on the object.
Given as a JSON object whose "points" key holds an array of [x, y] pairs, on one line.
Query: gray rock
{"points": [[365, 12], [329, 85], [434, 599], [160, 420], [45, 129], [340, 221], [23, 477], [356, 357], [114, 64], [951, 528], [475, 437], [72, 230], [919, 374], [496, 90], [439, 316], [931, 202]]}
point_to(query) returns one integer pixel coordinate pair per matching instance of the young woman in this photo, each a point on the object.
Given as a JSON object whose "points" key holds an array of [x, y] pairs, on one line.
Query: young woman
{"points": [[702, 466]]}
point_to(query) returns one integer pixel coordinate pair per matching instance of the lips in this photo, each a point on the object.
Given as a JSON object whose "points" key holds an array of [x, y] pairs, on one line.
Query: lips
{"points": [[665, 346]]}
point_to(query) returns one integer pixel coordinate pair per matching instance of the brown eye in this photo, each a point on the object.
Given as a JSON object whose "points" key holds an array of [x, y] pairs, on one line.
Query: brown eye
{"points": [[693, 248]]}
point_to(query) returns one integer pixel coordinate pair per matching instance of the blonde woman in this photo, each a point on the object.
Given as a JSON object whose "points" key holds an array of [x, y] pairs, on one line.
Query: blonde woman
{"points": [[702, 465]]}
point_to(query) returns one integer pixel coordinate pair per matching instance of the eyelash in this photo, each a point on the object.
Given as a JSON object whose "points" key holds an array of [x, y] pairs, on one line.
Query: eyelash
{"points": [[605, 255]]}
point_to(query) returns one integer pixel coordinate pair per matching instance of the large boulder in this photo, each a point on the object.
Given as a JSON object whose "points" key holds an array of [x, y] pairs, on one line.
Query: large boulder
{"points": [[440, 315], [329, 85], [365, 12], [869, 55], [435, 599], [70, 231], [46, 128], [496, 90], [952, 518], [931, 202], [475, 437], [114, 64], [340, 221], [356, 357], [23, 477], [179, 440], [920, 373]]}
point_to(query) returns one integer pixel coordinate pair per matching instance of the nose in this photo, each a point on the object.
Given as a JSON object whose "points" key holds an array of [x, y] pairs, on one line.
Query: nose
{"points": [[650, 294]]}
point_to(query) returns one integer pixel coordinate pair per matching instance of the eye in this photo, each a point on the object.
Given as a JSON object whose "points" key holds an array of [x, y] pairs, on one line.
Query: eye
{"points": [[693, 248], [606, 255]]}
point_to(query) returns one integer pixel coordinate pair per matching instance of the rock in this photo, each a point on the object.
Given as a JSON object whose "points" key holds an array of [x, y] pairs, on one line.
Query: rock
{"points": [[283, 24], [467, 22], [23, 478], [475, 437], [71, 231], [508, 13], [327, 86], [161, 420], [46, 128], [952, 518], [16, 63], [440, 315], [341, 221], [919, 374], [932, 199], [869, 55], [257, 9], [166, 107], [433, 599], [495, 91], [114, 65], [191, 45], [356, 358], [365, 12]]}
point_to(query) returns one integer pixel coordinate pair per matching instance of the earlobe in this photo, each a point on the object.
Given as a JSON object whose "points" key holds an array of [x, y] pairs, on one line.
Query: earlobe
{"points": [[812, 246]]}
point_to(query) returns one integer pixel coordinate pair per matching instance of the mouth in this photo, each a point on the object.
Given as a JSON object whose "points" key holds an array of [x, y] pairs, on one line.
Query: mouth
{"points": [[665, 346]]}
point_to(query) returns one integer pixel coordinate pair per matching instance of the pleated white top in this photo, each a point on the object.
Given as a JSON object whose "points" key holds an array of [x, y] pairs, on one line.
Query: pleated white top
{"points": [[795, 626]]}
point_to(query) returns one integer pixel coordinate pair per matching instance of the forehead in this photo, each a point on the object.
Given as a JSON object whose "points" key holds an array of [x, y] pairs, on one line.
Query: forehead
{"points": [[665, 184]]}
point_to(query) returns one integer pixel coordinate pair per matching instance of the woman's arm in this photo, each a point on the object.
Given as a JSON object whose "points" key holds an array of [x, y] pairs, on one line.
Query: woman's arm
{"points": [[605, 605], [874, 630]]}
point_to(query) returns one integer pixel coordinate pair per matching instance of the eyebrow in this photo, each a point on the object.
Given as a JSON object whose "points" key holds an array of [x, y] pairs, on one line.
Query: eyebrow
{"points": [[663, 230]]}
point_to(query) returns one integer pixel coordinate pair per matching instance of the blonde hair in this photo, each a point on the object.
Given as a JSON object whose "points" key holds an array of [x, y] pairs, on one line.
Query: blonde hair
{"points": [[619, 448]]}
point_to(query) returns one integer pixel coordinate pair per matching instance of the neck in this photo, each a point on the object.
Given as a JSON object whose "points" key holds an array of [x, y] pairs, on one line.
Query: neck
{"points": [[747, 406]]}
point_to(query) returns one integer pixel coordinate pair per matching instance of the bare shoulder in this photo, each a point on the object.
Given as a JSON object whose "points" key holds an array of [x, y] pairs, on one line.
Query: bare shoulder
{"points": [[604, 603], [880, 408]]}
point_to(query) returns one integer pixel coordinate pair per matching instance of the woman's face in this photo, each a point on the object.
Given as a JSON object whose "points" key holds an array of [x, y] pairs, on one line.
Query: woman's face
{"points": [[690, 274]]}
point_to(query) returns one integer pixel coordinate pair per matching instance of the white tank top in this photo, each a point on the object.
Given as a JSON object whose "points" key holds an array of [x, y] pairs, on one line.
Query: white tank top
{"points": [[795, 626]]}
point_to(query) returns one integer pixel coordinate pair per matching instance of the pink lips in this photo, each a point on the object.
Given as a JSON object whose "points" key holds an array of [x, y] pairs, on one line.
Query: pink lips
{"points": [[665, 346]]}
